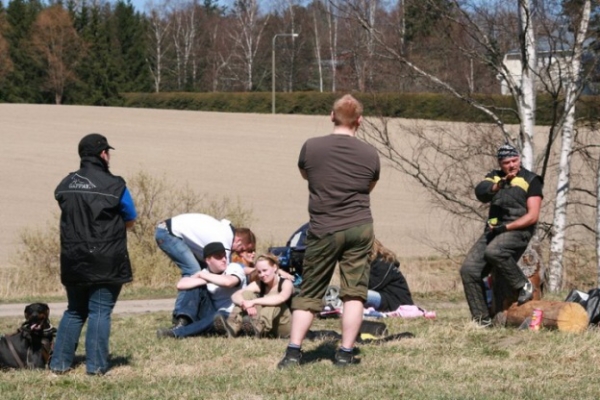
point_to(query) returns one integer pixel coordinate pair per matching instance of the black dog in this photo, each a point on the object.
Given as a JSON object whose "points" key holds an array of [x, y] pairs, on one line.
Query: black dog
{"points": [[31, 346]]}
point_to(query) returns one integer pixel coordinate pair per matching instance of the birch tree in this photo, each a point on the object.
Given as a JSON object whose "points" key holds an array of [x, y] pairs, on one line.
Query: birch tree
{"points": [[247, 34], [183, 35], [219, 52], [332, 30], [315, 9], [572, 75], [158, 41], [470, 16]]}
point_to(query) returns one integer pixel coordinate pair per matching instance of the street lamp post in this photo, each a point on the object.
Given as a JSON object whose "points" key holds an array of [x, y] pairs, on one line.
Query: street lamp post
{"points": [[273, 67]]}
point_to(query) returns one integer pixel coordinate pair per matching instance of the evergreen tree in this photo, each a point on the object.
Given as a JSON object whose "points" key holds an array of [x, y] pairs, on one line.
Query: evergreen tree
{"points": [[6, 65], [98, 72], [129, 29], [24, 81]]}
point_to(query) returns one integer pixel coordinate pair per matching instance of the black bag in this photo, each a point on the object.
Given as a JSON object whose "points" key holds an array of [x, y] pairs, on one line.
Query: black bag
{"points": [[373, 328], [576, 296], [593, 306]]}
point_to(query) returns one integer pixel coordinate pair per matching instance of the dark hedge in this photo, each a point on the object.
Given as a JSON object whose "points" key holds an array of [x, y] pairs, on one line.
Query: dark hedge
{"points": [[441, 107]]}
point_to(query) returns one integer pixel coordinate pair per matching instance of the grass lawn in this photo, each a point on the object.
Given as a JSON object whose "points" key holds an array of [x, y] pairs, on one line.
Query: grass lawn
{"points": [[449, 358]]}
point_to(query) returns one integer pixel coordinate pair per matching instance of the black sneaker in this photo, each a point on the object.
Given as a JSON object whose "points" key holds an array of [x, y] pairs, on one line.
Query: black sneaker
{"points": [[526, 293], [290, 359], [344, 358], [162, 333], [222, 327]]}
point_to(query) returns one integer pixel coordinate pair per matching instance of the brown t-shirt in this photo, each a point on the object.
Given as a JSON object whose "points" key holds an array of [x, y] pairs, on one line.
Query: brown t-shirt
{"points": [[340, 169]]}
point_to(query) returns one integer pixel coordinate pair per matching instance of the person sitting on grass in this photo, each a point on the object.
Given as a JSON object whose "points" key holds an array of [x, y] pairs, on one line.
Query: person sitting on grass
{"points": [[246, 259], [388, 288], [206, 293], [262, 308]]}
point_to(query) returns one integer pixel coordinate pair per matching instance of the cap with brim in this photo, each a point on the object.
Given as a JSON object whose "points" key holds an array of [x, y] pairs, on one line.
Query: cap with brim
{"points": [[93, 144], [213, 248]]}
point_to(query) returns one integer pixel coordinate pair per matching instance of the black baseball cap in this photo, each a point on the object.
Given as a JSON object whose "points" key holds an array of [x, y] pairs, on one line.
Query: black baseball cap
{"points": [[93, 144], [213, 248]]}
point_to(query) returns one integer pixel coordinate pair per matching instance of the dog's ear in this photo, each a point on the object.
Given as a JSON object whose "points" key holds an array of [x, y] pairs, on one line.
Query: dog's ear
{"points": [[28, 311]]}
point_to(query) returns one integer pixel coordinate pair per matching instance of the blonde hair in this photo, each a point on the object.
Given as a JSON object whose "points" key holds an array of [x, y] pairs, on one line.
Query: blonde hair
{"points": [[379, 250], [270, 258], [346, 111]]}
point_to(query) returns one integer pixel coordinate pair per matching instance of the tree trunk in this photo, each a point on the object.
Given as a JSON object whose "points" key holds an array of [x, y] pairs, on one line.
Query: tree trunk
{"points": [[598, 225], [572, 89], [527, 96], [564, 316], [318, 49]]}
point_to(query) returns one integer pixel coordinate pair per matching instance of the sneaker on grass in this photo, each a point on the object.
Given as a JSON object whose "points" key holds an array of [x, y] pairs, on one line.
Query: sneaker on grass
{"points": [[344, 358], [290, 359]]}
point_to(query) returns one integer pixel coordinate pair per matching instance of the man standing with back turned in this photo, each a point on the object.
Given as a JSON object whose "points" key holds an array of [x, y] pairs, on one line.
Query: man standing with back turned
{"points": [[341, 171], [96, 209], [515, 197]]}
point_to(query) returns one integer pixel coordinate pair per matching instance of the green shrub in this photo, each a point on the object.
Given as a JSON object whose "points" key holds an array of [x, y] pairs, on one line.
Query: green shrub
{"points": [[431, 106], [38, 259]]}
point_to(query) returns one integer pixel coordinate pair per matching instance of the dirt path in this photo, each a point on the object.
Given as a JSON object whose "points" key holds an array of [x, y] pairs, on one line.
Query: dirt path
{"points": [[122, 307]]}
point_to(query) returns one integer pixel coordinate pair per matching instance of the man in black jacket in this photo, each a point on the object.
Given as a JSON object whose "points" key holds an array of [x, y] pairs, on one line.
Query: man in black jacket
{"points": [[515, 197], [96, 211]]}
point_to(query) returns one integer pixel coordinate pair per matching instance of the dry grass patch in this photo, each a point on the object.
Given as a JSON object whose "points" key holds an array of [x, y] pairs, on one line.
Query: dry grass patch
{"points": [[38, 259]]}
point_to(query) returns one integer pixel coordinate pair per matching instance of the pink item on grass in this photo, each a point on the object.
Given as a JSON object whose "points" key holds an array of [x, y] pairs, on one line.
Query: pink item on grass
{"points": [[406, 311]]}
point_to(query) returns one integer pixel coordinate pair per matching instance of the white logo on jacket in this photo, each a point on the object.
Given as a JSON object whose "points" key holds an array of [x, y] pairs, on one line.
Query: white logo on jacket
{"points": [[81, 183]]}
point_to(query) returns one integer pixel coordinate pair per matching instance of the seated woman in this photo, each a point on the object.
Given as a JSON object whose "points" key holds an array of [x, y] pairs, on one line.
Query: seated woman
{"points": [[262, 308], [388, 289], [246, 259]]}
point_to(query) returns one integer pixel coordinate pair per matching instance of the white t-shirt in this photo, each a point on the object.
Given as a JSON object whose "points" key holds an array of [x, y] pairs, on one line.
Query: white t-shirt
{"points": [[221, 296], [198, 230]]}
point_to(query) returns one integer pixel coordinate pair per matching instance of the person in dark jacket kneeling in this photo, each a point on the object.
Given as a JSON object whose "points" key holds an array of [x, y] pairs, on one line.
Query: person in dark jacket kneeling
{"points": [[388, 289], [96, 211]]}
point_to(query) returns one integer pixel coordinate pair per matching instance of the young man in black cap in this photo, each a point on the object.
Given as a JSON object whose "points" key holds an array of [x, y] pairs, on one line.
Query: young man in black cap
{"points": [[515, 197], [96, 210], [208, 292]]}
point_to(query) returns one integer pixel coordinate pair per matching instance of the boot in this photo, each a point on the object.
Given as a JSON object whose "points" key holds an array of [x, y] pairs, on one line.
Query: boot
{"points": [[252, 326]]}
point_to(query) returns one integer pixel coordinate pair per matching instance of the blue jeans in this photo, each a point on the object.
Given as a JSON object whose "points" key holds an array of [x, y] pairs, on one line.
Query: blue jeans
{"points": [[92, 303], [373, 299], [179, 253], [198, 307]]}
